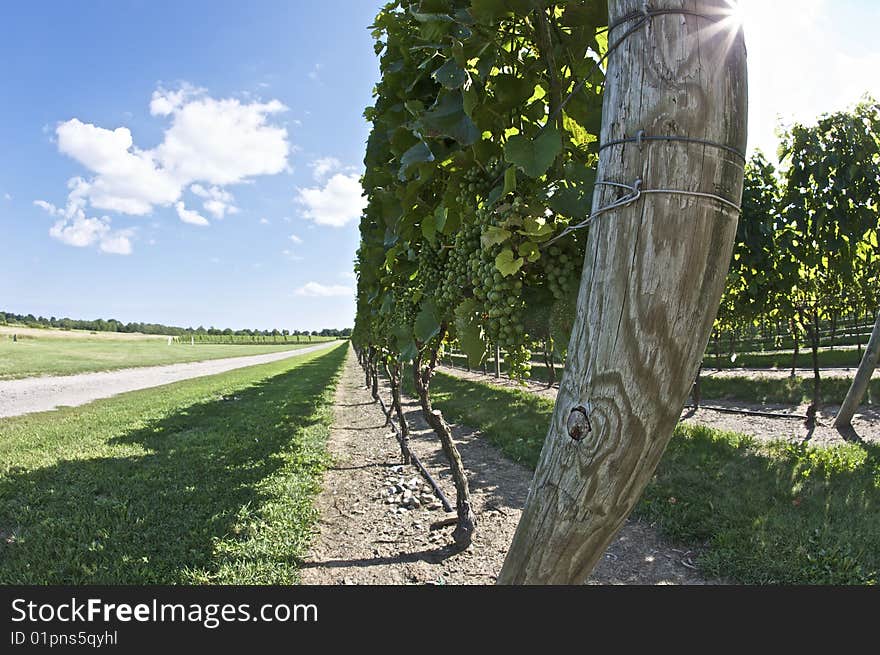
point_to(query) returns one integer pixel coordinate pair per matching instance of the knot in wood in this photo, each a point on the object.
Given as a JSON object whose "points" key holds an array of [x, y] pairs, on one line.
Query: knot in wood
{"points": [[578, 423]]}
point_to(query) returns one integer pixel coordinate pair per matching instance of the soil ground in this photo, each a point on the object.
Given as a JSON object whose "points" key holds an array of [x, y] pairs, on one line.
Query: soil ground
{"points": [[363, 539]]}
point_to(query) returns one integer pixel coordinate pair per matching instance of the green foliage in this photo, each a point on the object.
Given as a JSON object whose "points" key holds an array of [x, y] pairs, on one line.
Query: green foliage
{"points": [[534, 156], [807, 246], [471, 166]]}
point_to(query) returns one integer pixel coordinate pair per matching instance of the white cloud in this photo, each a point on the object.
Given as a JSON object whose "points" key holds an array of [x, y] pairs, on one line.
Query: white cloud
{"points": [[7, 196], [209, 144], [338, 202], [295, 239], [165, 102], [217, 201], [79, 231], [48, 206], [74, 228], [318, 290], [190, 216], [314, 74], [128, 180], [264, 221], [224, 141], [322, 167], [117, 243]]}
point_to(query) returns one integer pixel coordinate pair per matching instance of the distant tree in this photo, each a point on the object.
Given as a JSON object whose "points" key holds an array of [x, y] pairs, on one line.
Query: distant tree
{"points": [[830, 213]]}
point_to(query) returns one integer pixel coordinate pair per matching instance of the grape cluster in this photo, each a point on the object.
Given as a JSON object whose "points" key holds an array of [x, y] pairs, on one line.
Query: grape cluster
{"points": [[457, 281], [432, 267], [476, 182], [561, 271], [501, 298]]}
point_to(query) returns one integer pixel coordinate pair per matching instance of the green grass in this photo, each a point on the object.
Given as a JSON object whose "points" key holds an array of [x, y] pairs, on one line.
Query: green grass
{"points": [[770, 514], [789, 514], [827, 359], [209, 480], [31, 357], [781, 360], [787, 391]]}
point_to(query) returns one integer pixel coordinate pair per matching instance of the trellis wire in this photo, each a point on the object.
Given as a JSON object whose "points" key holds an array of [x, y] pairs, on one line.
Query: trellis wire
{"points": [[636, 192], [641, 137]]}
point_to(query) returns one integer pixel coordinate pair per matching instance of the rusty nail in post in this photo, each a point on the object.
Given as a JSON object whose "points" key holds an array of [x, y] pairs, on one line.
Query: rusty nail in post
{"points": [[578, 423]]}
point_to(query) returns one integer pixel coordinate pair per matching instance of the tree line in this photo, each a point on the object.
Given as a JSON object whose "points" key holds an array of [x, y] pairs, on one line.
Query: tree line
{"points": [[807, 255], [112, 325]]}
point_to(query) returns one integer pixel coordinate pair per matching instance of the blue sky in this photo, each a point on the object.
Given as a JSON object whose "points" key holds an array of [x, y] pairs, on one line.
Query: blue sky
{"points": [[195, 163], [70, 66]]}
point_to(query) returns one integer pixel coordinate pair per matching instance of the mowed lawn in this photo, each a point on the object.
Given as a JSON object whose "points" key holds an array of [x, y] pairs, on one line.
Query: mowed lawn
{"points": [[52, 356], [205, 481], [760, 513]]}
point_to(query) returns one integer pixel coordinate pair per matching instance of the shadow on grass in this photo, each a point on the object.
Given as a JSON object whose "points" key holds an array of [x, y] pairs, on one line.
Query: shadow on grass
{"points": [[225, 494], [778, 513], [786, 513]]}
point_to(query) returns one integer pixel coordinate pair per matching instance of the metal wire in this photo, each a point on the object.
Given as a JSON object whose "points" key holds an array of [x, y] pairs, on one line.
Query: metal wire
{"points": [[697, 194], [641, 137], [636, 192]]}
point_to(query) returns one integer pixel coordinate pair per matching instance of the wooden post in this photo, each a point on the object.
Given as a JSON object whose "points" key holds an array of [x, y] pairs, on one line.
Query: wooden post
{"points": [[497, 361], [652, 281], [860, 383]]}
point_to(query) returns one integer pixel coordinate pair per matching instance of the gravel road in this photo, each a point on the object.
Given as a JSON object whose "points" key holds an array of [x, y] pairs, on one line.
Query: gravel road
{"points": [[777, 373], [44, 393]]}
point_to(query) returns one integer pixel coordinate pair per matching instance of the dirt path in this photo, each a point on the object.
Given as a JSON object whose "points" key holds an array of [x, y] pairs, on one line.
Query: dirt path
{"points": [[866, 422], [41, 394], [364, 537]]}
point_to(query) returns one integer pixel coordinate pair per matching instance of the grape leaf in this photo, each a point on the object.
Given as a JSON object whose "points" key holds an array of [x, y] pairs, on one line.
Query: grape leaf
{"points": [[534, 157], [492, 235], [448, 118], [418, 154], [426, 323], [450, 75], [506, 263]]}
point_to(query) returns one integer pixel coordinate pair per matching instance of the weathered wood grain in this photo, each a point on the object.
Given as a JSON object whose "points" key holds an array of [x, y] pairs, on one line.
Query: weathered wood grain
{"points": [[650, 288]]}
